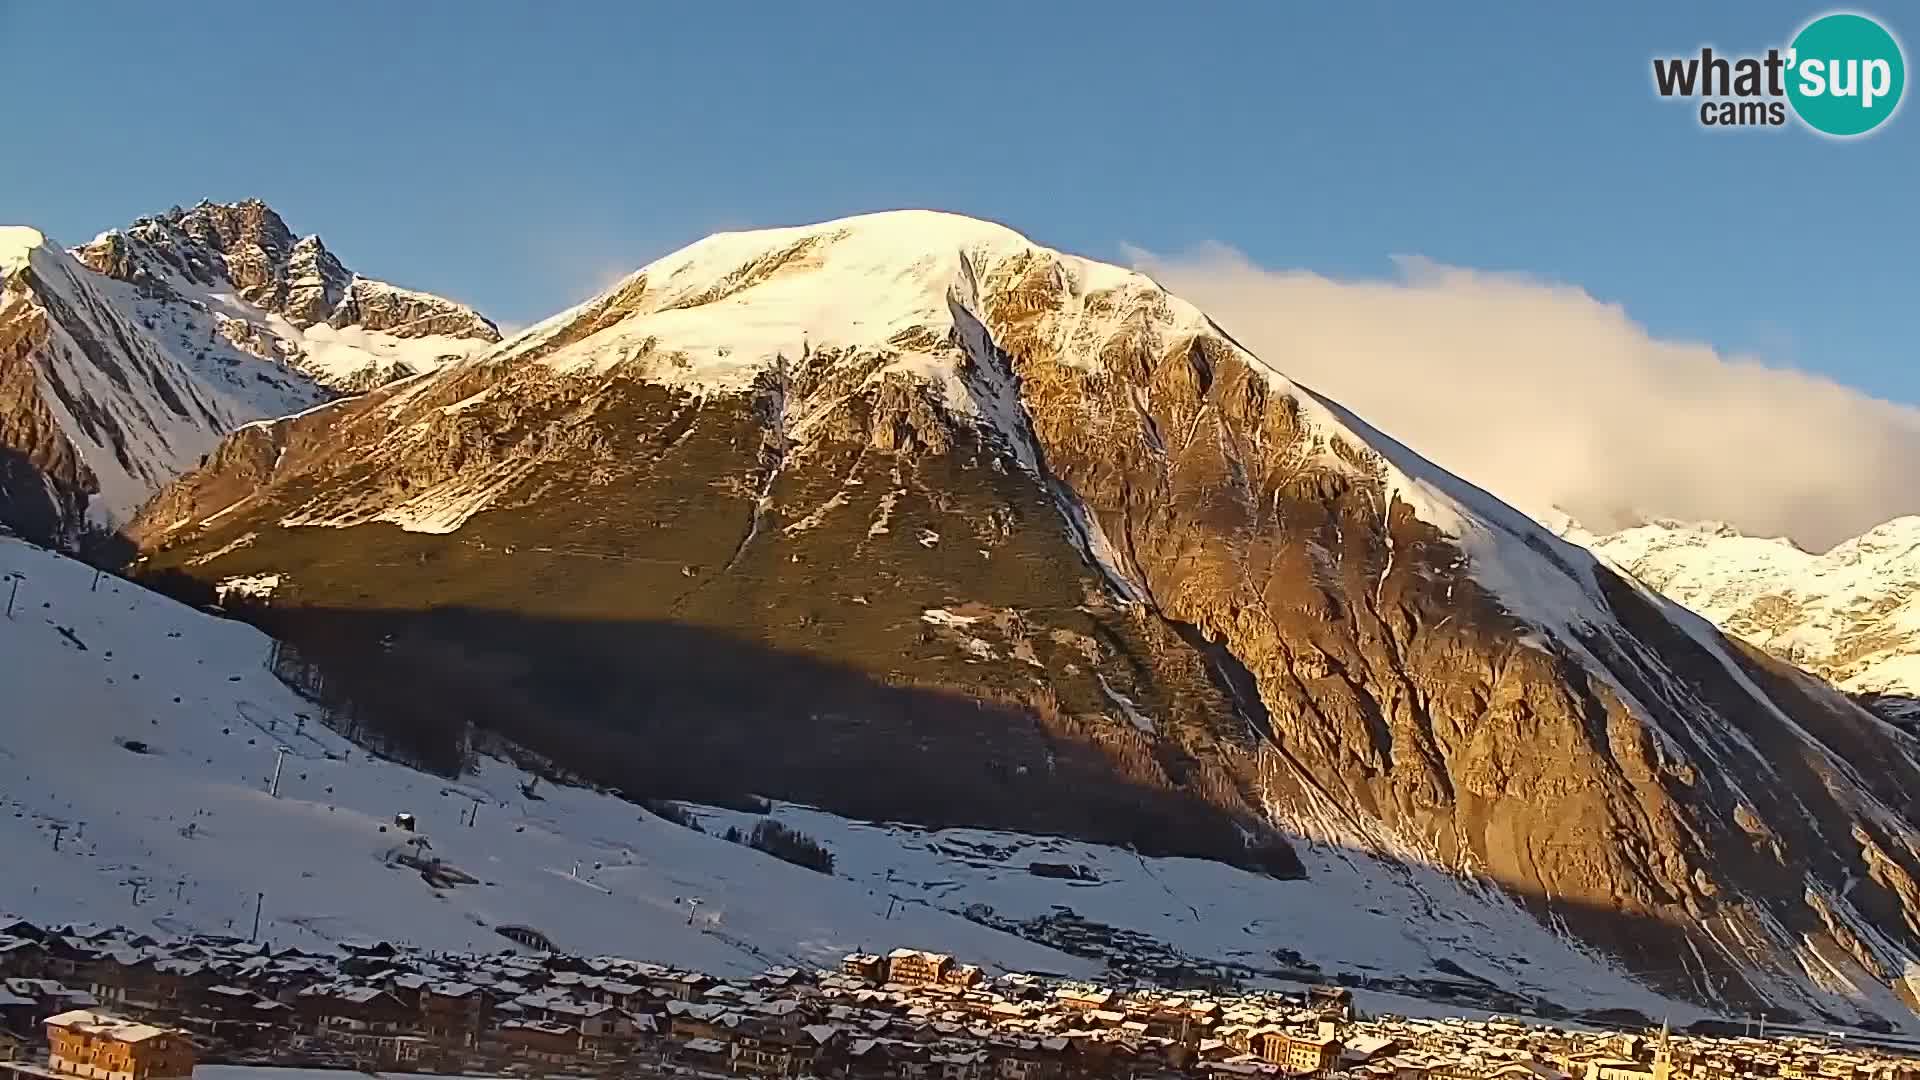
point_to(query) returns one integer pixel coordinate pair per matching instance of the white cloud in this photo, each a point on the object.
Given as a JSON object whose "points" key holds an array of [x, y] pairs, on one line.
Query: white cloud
{"points": [[1550, 398]]}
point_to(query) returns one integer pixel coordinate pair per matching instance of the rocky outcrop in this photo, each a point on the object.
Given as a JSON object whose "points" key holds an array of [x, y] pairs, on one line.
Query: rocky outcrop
{"points": [[930, 451], [377, 306]]}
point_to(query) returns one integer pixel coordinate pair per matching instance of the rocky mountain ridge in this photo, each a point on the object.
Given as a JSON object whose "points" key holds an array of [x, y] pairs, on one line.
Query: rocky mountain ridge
{"points": [[123, 361], [285, 298], [711, 513], [97, 409]]}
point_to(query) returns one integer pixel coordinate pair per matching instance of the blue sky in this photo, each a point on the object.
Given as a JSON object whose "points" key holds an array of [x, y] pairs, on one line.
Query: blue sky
{"points": [[519, 156]]}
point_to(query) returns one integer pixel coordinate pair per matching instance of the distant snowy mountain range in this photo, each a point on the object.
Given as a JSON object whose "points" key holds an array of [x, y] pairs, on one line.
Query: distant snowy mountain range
{"points": [[1850, 614], [123, 361]]}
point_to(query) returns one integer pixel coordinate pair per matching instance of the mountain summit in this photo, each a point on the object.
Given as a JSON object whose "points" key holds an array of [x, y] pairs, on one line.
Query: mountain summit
{"points": [[123, 361], [284, 297], [911, 518], [100, 406]]}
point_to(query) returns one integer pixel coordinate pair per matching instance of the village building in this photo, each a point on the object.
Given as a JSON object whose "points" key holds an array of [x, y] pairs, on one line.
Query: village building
{"points": [[908, 1013], [773, 1055], [1294, 1051], [914, 967], [17, 1013], [540, 1040], [1083, 999], [864, 966], [453, 1012], [963, 975], [22, 957], [100, 1047], [355, 1010], [1334, 1001]]}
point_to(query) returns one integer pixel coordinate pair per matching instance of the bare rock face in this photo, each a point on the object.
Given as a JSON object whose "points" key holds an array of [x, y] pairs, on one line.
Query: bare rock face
{"points": [[920, 452], [244, 245], [378, 306]]}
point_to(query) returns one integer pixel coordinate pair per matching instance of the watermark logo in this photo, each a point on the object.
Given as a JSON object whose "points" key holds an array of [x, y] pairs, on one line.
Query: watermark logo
{"points": [[1842, 76]]}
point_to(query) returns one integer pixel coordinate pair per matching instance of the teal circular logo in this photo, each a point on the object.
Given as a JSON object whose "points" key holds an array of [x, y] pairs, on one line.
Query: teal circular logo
{"points": [[1845, 74]]}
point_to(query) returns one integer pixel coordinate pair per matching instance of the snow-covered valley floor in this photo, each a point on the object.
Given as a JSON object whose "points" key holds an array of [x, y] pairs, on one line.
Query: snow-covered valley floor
{"points": [[138, 740]]}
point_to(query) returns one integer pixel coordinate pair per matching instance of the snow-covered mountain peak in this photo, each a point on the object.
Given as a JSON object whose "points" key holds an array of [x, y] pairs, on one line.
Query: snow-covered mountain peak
{"points": [[103, 404], [942, 301], [17, 245], [892, 281], [1705, 527], [239, 269], [127, 359]]}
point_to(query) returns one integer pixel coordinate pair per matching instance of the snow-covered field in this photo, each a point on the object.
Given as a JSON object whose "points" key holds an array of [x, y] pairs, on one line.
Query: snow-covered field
{"points": [[137, 744], [190, 820]]}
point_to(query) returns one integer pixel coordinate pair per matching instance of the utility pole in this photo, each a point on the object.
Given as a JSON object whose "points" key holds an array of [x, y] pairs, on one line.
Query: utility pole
{"points": [[279, 759], [258, 900], [57, 830], [16, 592]]}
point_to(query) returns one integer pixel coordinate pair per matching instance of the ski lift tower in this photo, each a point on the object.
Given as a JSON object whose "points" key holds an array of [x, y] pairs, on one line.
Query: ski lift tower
{"points": [[279, 760]]}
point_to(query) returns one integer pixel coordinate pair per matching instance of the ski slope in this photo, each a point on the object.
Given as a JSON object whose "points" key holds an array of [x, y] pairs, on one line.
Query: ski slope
{"points": [[191, 822], [190, 828]]}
